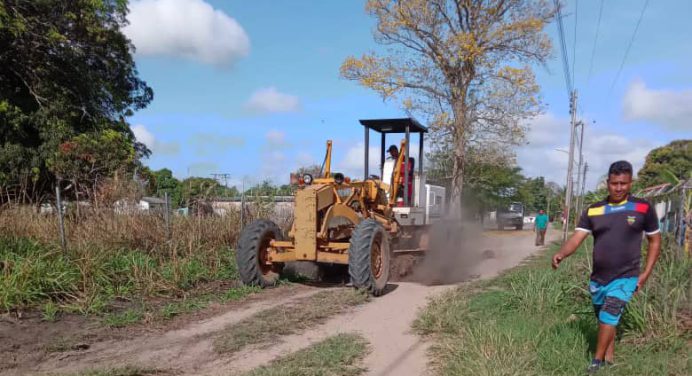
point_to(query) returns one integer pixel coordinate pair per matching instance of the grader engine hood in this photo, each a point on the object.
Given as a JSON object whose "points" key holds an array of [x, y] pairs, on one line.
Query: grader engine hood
{"points": [[308, 204]]}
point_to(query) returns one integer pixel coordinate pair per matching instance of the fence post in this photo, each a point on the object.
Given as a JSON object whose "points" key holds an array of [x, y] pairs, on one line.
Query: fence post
{"points": [[167, 216], [242, 206], [681, 219], [61, 222]]}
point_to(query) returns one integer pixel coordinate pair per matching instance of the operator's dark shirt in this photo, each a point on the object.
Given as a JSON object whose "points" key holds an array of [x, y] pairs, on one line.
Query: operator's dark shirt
{"points": [[617, 232]]}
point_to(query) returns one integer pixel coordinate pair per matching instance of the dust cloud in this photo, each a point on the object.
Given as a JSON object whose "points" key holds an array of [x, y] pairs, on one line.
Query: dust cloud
{"points": [[456, 250]]}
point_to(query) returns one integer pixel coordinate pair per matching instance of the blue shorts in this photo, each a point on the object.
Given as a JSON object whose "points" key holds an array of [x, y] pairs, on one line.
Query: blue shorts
{"points": [[609, 300]]}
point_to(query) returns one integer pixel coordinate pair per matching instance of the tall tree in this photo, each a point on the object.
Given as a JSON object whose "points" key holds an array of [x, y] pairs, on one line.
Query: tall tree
{"points": [[66, 69], [464, 64], [165, 182]]}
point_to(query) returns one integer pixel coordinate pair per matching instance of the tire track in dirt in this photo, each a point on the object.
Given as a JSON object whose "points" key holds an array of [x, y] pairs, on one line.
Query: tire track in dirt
{"points": [[186, 349]]}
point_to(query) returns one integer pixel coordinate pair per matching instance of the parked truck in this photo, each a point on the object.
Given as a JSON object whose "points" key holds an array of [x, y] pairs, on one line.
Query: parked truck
{"points": [[511, 215]]}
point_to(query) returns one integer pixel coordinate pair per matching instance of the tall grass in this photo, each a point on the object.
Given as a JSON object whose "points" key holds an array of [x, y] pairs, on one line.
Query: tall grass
{"points": [[109, 256], [536, 321]]}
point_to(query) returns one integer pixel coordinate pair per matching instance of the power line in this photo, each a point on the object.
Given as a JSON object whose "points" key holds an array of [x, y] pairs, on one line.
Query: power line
{"points": [[563, 46], [627, 51], [574, 43], [595, 41]]}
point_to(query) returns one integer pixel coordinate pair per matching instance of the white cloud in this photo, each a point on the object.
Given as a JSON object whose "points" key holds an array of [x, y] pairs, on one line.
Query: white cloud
{"points": [[202, 168], [540, 157], [143, 135], [352, 162], [214, 143], [271, 100], [276, 139], [545, 129], [190, 29], [305, 159], [274, 167], [668, 108]]}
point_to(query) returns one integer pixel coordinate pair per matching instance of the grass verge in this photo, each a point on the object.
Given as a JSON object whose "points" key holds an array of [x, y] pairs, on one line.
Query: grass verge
{"points": [[109, 257], [338, 355], [268, 325], [536, 321], [33, 274]]}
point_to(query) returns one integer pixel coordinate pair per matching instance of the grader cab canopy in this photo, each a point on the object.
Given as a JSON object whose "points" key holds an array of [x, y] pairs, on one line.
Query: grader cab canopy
{"points": [[405, 126]]}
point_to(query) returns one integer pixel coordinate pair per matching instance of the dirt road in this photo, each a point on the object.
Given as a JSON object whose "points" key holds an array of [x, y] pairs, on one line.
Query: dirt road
{"points": [[385, 322]]}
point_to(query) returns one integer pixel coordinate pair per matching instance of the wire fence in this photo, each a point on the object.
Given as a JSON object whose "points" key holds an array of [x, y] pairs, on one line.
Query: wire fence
{"points": [[144, 224], [673, 207]]}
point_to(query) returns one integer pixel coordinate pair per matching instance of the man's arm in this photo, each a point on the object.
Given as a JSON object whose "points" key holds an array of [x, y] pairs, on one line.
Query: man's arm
{"points": [[652, 253], [569, 247]]}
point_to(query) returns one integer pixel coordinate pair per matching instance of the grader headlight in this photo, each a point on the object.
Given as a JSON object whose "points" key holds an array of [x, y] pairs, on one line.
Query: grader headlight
{"points": [[307, 179]]}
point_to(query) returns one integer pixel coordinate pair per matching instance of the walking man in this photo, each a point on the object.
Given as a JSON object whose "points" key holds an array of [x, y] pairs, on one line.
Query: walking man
{"points": [[540, 226], [616, 224]]}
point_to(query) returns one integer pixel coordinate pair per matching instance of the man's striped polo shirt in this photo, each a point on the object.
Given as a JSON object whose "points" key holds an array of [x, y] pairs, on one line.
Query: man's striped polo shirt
{"points": [[617, 230]]}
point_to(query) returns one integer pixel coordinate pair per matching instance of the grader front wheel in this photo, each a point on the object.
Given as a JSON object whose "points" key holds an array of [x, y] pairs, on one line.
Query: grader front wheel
{"points": [[369, 257], [252, 253]]}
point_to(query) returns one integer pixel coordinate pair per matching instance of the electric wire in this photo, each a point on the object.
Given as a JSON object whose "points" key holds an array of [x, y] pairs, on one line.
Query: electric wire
{"points": [[563, 47], [574, 42], [629, 46], [595, 42]]}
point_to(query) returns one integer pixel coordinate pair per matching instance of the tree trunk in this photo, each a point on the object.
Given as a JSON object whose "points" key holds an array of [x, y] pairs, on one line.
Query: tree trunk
{"points": [[455, 209], [458, 155]]}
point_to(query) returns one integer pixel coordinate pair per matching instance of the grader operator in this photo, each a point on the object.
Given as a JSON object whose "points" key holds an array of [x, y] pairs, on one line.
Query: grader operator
{"points": [[358, 223]]}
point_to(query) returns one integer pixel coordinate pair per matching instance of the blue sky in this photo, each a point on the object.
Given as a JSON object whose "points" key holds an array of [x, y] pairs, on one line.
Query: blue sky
{"points": [[252, 88]]}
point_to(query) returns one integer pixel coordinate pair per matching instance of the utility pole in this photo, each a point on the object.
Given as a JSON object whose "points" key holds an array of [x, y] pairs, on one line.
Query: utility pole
{"points": [[579, 171], [580, 198], [61, 221], [242, 204], [225, 177], [583, 186], [570, 163]]}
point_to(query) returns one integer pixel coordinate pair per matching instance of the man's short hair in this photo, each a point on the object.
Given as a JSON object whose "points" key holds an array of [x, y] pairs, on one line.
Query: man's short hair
{"points": [[392, 147], [620, 168]]}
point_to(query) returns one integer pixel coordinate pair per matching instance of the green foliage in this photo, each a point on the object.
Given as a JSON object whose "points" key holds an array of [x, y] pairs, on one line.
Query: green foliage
{"points": [[49, 312], [120, 319], [237, 293], [674, 158], [31, 273], [195, 188], [336, 355], [295, 317], [66, 71], [489, 186], [163, 181], [186, 274], [171, 310], [265, 188]]}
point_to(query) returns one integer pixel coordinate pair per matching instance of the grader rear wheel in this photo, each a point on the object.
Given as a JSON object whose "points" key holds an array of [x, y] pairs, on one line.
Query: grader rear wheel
{"points": [[252, 254], [369, 257]]}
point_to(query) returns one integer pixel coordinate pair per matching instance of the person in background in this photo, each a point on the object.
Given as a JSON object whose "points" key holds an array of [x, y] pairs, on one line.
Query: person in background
{"points": [[540, 227]]}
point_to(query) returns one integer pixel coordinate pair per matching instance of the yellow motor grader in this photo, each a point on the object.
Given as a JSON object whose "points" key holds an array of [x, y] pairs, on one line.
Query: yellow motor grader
{"points": [[358, 223]]}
